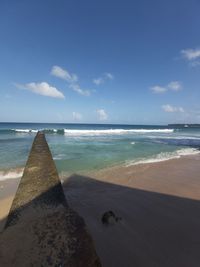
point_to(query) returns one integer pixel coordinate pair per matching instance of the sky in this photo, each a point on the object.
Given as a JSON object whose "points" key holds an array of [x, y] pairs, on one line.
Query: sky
{"points": [[91, 61]]}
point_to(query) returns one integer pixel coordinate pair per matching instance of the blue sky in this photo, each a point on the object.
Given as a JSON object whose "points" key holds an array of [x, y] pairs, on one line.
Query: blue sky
{"points": [[135, 62]]}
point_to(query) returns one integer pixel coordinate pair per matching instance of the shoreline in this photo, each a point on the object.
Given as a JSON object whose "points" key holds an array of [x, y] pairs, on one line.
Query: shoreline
{"points": [[8, 186], [157, 176], [17, 172]]}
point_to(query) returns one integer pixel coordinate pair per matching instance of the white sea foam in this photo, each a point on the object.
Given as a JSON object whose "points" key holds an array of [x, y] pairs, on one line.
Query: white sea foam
{"points": [[59, 156], [163, 156], [114, 131], [74, 132], [4, 175], [175, 137], [132, 143], [25, 130], [34, 130]]}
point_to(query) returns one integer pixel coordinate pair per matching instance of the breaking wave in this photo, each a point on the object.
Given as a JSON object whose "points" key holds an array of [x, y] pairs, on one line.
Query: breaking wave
{"points": [[114, 131], [89, 132], [25, 130]]}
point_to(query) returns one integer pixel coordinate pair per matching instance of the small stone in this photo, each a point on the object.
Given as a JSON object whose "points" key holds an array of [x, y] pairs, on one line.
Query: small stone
{"points": [[109, 217]]}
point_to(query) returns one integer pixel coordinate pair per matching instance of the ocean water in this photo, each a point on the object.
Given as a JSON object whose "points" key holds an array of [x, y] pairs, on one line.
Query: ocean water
{"points": [[77, 148]]}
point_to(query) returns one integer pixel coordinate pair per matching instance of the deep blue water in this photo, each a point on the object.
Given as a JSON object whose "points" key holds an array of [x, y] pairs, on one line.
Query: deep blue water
{"points": [[84, 147]]}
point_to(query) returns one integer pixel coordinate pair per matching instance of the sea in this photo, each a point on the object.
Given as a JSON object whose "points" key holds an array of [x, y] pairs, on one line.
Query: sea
{"points": [[79, 148]]}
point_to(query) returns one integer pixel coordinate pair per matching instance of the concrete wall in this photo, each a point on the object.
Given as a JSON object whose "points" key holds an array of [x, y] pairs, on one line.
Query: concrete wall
{"points": [[41, 229]]}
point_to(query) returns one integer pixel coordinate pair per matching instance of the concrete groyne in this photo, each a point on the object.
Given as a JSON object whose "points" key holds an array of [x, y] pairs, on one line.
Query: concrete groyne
{"points": [[41, 229]]}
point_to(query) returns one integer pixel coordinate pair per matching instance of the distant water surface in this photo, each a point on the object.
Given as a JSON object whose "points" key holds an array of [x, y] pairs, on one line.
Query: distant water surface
{"points": [[85, 147]]}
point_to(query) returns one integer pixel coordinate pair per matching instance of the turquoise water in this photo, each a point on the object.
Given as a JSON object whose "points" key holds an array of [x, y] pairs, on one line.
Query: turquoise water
{"points": [[84, 147]]}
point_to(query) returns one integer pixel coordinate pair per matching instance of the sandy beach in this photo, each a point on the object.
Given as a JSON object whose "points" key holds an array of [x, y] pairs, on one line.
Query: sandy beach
{"points": [[8, 189], [158, 203], [160, 210]]}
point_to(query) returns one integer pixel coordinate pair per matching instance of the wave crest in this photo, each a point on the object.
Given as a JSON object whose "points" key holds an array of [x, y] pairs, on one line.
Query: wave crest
{"points": [[114, 131], [25, 130], [89, 132]]}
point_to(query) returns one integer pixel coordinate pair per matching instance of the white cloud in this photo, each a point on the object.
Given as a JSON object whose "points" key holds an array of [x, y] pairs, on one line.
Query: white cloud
{"points": [[64, 74], [75, 87], [109, 76], [158, 89], [98, 81], [71, 78], [101, 80], [169, 108], [191, 54], [102, 114], [42, 88], [76, 116], [175, 86]]}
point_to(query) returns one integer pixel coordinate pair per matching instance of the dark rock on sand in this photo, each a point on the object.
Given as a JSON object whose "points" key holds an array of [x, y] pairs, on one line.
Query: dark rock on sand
{"points": [[109, 217]]}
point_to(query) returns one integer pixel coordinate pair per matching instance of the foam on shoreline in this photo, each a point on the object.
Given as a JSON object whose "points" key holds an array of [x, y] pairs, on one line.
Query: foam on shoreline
{"points": [[160, 157], [11, 174], [164, 156]]}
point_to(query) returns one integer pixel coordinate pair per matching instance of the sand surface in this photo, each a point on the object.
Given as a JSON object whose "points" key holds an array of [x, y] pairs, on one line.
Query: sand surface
{"points": [[8, 189], [159, 206], [160, 210]]}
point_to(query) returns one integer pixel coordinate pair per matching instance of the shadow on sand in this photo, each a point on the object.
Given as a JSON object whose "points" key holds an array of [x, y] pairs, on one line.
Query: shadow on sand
{"points": [[156, 230], [45, 232]]}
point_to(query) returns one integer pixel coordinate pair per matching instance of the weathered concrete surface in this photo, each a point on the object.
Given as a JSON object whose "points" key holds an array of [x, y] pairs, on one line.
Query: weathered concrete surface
{"points": [[41, 229]]}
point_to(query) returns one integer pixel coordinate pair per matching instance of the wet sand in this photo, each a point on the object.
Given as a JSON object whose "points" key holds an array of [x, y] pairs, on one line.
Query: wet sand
{"points": [[159, 206]]}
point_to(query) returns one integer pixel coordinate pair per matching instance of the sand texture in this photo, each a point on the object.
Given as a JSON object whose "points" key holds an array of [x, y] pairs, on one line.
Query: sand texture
{"points": [[160, 210]]}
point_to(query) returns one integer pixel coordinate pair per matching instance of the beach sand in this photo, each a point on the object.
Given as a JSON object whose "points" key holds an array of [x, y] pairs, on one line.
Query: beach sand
{"points": [[158, 203], [160, 210], [8, 189]]}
